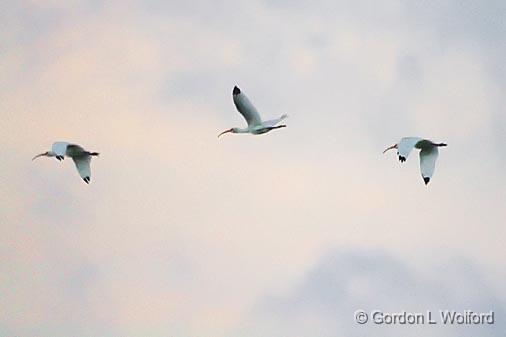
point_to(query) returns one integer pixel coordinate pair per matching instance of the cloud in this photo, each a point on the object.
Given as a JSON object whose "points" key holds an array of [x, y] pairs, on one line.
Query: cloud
{"points": [[344, 281], [180, 232]]}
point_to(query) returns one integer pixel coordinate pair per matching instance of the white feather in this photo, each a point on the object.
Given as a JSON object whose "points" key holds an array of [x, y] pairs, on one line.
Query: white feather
{"points": [[83, 165], [406, 145], [247, 110], [274, 122], [428, 157], [60, 148]]}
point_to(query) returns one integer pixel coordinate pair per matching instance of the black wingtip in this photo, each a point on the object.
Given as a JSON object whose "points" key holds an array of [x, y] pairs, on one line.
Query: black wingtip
{"points": [[236, 90], [426, 180], [86, 180]]}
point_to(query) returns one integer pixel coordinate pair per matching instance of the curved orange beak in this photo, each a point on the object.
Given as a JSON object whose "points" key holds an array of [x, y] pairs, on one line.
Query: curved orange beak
{"points": [[391, 147], [39, 155], [226, 131]]}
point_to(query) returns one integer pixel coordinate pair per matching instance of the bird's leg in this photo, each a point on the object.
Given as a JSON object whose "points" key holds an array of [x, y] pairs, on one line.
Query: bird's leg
{"points": [[277, 127]]}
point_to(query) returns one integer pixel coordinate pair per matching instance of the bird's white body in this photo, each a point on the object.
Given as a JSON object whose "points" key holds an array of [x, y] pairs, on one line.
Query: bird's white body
{"points": [[80, 156], [428, 154], [255, 124]]}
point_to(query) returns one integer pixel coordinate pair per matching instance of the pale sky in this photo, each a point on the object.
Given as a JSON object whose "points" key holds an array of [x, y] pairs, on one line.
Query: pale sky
{"points": [[182, 234]]}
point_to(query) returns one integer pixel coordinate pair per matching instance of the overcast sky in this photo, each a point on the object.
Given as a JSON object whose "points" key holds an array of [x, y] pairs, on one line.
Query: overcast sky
{"points": [[286, 234]]}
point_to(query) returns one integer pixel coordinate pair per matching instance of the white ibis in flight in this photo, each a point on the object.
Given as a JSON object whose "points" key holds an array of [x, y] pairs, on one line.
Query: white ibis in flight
{"points": [[250, 114], [428, 153], [80, 156]]}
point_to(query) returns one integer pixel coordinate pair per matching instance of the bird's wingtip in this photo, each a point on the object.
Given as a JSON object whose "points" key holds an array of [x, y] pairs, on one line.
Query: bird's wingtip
{"points": [[426, 180], [236, 90], [86, 180]]}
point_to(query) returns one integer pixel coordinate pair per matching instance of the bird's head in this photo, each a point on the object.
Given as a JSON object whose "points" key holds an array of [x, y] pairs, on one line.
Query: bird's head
{"points": [[232, 130], [391, 147]]}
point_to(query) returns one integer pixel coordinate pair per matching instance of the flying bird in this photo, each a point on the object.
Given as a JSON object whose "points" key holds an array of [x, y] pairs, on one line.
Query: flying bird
{"points": [[252, 117], [80, 156], [428, 154]]}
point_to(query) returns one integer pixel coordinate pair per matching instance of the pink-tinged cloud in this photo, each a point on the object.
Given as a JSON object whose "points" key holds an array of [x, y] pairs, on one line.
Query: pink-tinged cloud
{"points": [[183, 234]]}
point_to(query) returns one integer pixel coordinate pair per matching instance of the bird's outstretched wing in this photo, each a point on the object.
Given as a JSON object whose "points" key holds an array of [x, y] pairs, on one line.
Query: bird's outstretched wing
{"points": [[428, 157], [60, 148], [246, 108], [274, 122], [74, 150], [405, 146], [83, 167]]}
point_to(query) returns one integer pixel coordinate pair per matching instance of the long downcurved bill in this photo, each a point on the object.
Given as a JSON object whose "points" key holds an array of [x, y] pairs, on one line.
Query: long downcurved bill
{"points": [[390, 148], [39, 155], [226, 131]]}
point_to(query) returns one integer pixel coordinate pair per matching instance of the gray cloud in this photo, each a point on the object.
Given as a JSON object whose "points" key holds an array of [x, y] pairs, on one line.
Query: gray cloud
{"points": [[180, 233], [344, 281]]}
